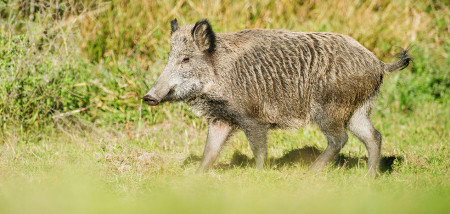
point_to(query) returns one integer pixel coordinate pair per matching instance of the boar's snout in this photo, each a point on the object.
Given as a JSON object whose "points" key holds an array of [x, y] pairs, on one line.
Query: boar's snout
{"points": [[150, 100]]}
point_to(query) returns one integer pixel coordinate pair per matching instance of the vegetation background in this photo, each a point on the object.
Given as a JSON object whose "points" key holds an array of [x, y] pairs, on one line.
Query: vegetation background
{"points": [[75, 136]]}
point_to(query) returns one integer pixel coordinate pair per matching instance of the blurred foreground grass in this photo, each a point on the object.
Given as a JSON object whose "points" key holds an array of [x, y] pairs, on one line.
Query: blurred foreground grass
{"points": [[75, 137]]}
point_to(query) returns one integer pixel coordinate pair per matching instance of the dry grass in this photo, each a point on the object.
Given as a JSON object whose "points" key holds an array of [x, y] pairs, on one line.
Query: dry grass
{"points": [[140, 29]]}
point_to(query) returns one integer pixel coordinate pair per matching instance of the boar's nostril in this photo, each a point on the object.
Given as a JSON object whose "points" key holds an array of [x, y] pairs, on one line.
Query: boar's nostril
{"points": [[150, 100]]}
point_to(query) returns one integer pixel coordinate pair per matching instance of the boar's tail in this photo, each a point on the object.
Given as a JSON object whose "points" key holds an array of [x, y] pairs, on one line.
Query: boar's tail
{"points": [[401, 64]]}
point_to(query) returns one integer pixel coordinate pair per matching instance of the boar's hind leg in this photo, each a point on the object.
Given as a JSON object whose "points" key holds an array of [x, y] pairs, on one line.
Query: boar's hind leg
{"points": [[361, 126], [218, 133], [336, 140], [256, 135]]}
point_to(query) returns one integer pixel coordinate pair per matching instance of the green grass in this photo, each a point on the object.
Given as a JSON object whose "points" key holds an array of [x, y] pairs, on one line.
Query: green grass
{"points": [[152, 168], [76, 138]]}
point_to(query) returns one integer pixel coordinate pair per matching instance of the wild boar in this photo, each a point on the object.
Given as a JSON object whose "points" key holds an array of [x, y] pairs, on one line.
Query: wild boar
{"points": [[259, 79]]}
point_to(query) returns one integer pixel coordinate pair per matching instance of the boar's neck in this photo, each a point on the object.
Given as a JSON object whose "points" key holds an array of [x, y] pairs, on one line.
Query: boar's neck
{"points": [[214, 108]]}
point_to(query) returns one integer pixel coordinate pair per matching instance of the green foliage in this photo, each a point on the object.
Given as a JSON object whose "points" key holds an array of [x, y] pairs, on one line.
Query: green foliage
{"points": [[36, 88], [427, 81], [33, 85]]}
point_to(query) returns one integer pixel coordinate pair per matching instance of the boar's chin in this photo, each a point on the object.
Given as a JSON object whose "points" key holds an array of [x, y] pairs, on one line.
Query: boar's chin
{"points": [[182, 97]]}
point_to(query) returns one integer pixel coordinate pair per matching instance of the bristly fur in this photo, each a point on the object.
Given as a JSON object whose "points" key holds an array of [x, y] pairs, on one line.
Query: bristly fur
{"points": [[174, 25], [275, 79], [209, 34]]}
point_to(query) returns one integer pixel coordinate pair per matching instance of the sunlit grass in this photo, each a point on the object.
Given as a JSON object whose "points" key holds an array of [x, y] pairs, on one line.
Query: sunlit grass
{"points": [[117, 170]]}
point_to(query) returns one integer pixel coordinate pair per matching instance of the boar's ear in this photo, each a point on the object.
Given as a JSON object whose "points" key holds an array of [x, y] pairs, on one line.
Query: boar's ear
{"points": [[174, 25], [204, 36]]}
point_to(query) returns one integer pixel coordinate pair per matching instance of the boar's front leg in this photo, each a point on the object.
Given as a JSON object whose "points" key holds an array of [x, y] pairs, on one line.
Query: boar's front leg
{"points": [[256, 135], [218, 133]]}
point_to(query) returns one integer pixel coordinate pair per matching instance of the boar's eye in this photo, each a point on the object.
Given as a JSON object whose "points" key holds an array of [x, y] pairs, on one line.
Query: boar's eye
{"points": [[185, 60]]}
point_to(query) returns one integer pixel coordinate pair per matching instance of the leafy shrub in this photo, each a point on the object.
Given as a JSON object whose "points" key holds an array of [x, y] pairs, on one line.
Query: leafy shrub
{"points": [[34, 85]]}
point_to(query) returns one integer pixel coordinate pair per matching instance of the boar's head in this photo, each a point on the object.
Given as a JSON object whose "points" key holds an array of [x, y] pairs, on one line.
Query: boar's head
{"points": [[189, 68]]}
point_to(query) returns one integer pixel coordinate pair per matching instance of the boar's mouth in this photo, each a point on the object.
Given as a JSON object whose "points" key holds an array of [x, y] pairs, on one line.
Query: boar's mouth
{"points": [[169, 96]]}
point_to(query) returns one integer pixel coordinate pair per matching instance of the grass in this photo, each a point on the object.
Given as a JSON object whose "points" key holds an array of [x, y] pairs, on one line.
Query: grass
{"points": [[146, 170], [76, 138]]}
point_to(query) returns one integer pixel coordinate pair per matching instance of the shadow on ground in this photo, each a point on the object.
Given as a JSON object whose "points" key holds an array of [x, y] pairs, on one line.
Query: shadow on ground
{"points": [[304, 156]]}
